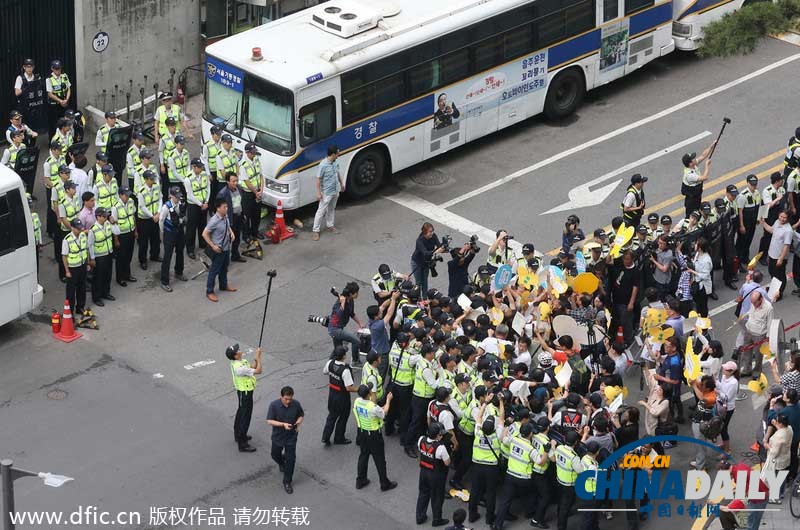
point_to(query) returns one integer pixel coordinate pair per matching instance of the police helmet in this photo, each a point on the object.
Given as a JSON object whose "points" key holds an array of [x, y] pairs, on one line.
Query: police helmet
{"points": [[435, 429], [488, 426]]}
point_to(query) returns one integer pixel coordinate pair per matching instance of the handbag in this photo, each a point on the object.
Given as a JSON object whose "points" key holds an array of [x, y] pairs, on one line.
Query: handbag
{"points": [[210, 253], [668, 427]]}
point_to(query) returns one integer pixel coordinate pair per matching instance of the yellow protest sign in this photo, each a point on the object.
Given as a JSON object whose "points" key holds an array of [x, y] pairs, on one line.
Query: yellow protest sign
{"points": [[759, 386], [496, 315], [691, 370], [526, 278], [586, 283], [624, 234], [659, 334], [544, 310], [655, 317]]}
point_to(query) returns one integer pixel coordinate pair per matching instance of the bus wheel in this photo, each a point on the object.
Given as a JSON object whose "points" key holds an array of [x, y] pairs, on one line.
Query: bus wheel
{"points": [[565, 94], [366, 173]]}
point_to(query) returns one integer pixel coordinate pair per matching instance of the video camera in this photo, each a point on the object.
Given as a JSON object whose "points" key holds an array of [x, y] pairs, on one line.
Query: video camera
{"points": [[473, 244]]}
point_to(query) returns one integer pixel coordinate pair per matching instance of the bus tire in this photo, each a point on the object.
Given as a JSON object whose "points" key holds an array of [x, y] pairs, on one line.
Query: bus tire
{"points": [[366, 173], [565, 94]]}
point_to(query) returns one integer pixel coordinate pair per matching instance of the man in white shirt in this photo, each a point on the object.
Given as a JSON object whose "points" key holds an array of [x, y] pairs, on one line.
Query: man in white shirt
{"points": [[756, 328], [491, 345], [779, 246]]}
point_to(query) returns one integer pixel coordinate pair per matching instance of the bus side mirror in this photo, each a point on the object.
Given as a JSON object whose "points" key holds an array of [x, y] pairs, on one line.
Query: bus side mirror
{"points": [[308, 128]]}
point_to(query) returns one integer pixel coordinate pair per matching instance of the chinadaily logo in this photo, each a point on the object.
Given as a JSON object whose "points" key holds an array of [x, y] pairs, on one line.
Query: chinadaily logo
{"points": [[630, 474]]}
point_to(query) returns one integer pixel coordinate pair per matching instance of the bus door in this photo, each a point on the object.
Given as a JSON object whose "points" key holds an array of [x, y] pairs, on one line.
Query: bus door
{"points": [[613, 40], [317, 122]]}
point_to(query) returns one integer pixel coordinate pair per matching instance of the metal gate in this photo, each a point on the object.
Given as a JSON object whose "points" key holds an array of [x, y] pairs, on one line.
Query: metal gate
{"points": [[42, 30]]}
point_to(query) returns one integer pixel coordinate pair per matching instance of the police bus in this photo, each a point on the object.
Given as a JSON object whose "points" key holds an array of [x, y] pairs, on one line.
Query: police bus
{"points": [[690, 16], [393, 84], [20, 291]]}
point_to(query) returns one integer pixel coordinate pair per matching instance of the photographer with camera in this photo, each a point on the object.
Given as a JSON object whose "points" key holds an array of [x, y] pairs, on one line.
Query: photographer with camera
{"points": [[499, 253], [458, 267], [341, 313], [572, 232], [424, 258]]}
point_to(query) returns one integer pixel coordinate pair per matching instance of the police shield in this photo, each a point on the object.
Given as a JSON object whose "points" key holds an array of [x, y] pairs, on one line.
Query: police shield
{"points": [[25, 166], [32, 103], [119, 139]]}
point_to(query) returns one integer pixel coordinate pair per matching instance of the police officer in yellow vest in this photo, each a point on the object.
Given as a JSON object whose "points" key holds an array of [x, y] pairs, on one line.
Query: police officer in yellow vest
{"points": [[692, 181], [133, 161], [434, 461], [106, 191], [252, 184], [146, 157], [10, 155], [64, 135], [499, 253], [165, 111], [166, 145], [340, 384], [59, 90], [75, 258], [425, 384], [147, 217], [369, 422], [101, 249], [541, 482], [123, 215], [51, 179], [198, 191], [485, 460], [101, 140], [748, 201], [589, 463], [211, 149], [520, 468], [371, 375], [227, 161], [244, 374], [633, 204], [69, 205], [178, 164], [568, 466], [401, 380], [469, 401]]}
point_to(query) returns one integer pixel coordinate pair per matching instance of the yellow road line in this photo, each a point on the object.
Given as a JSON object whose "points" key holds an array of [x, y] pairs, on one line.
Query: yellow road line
{"points": [[719, 180]]}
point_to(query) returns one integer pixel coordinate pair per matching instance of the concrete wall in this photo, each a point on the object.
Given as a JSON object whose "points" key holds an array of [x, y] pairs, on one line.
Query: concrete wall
{"points": [[146, 37]]}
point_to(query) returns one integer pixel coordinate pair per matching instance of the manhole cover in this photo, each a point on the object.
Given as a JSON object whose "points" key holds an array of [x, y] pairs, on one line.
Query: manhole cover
{"points": [[434, 177], [56, 395]]}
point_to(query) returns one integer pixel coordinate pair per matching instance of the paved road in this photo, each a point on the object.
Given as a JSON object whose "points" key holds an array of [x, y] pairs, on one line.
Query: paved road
{"points": [[146, 406]]}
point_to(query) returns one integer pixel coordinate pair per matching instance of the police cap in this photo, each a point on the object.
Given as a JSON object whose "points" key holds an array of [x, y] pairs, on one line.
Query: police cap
{"points": [[732, 189], [706, 206], [752, 179], [231, 351], [165, 95], [543, 424], [69, 185], [149, 175], [719, 203], [592, 446], [528, 248], [101, 156], [169, 121], [180, 139], [146, 153], [108, 169], [125, 191], [484, 270], [216, 129], [55, 145], [15, 114], [250, 147], [526, 429], [652, 218], [111, 114], [642, 229], [666, 220], [76, 223], [63, 168], [696, 214], [488, 426], [175, 191], [227, 138], [55, 64], [571, 437], [100, 212], [402, 338], [137, 135], [196, 162], [462, 378], [27, 62], [688, 158]]}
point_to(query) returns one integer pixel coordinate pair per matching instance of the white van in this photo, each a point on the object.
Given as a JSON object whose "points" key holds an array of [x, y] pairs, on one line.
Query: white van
{"points": [[20, 291]]}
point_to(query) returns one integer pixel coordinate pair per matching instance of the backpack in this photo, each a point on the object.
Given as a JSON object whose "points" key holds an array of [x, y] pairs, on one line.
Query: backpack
{"points": [[711, 428]]}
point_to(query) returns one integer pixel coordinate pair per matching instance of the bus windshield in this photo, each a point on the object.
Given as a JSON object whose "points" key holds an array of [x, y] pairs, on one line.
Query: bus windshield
{"points": [[269, 116], [222, 103]]}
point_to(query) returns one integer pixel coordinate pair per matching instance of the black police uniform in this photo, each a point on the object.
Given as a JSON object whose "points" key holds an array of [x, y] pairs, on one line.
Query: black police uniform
{"points": [[432, 479], [729, 224], [174, 239], [338, 403], [752, 202]]}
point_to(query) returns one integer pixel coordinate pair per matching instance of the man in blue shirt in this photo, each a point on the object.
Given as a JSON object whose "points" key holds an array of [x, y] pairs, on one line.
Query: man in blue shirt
{"points": [[329, 184], [379, 321], [669, 376]]}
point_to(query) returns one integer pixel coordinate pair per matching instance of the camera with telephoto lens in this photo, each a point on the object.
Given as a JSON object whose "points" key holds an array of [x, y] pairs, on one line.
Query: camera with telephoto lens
{"points": [[334, 292], [446, 240], [322, 321], [473, 244]]}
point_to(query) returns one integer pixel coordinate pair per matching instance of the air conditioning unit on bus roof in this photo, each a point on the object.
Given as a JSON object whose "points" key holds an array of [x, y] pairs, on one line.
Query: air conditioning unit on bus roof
{"points": [[345, 18]]}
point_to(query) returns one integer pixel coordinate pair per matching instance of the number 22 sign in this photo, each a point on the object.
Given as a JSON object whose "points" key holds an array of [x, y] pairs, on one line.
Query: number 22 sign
{"points": [[100, 41]]}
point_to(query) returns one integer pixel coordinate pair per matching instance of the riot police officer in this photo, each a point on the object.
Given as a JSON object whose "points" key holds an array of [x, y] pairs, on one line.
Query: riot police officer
{"points": [[633, 204], [728, 215], [434, 461], [59, 90], [172, 219], [748, 202], [340, 384]]}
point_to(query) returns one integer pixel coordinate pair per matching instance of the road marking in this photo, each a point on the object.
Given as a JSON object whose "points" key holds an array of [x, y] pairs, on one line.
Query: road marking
{"points": [[582, 196], [620, 131], [447, 218], [719, 193], [199, 364], [158, 376]]}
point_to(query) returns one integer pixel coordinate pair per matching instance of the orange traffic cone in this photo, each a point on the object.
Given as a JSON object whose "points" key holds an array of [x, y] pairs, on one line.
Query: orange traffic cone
{"points": [[67, 333], [280, 224], [620, 336]]}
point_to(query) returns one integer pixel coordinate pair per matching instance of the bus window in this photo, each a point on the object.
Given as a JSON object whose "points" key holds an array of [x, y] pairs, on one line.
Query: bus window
{"points": [[423, 78], [454, 66], [317, 121], [488, 53], [269, 113], [610, 10], [223, 102], [13, 228], [519, 41], [631, 6]]}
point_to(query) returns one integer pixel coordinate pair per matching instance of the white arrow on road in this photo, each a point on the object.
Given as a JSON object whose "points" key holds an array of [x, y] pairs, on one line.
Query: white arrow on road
{"points": [[583, 196]]}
